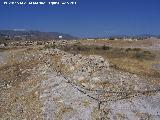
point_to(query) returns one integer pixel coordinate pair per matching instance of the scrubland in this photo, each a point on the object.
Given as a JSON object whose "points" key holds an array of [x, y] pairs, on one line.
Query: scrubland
{"points": [[61, 81]]}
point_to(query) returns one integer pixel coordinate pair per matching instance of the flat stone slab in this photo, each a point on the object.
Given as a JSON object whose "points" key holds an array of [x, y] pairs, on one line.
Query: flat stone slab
{"points": [[63, 101]]}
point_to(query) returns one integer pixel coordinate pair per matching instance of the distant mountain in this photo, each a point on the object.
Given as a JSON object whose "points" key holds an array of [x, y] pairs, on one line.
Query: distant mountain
{"points": [[32, 35]]}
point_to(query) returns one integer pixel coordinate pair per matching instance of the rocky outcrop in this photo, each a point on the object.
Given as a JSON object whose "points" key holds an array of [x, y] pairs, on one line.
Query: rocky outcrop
{"points": [[80, 68], [105, 87], [93, 72]]}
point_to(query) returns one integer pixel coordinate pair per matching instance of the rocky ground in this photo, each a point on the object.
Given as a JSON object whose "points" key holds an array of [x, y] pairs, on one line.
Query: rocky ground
{"points": [[38, 83]]}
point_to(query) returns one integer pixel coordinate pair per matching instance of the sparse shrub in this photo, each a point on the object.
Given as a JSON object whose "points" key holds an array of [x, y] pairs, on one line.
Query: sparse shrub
{"points": [[111, 38], [147, 52], [53, 46], [137, 49], [128, 49], [80, 48], [97, 47], [105, 47], [144, 55], [139, 55], [121, 49]]}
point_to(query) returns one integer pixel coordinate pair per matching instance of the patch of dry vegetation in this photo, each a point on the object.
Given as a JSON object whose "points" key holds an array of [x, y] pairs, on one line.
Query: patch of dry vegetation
{"points": [[133, 60], [135, 66], [63, 110], [19, 89], [21, 101], [120, 43]]}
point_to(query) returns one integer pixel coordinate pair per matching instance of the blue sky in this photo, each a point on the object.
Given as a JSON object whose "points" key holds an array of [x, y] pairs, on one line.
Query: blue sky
{"points": [[89, 18]]}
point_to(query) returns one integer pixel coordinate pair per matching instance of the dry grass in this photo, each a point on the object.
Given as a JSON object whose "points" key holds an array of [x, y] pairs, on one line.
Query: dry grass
{"points": [[104, 84], [19, 91], [63, 109], [145, 116], [135, 66], [129, 61], [21, 101], [133, 60], [86, 103], [120, 43], [15, 72]]}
